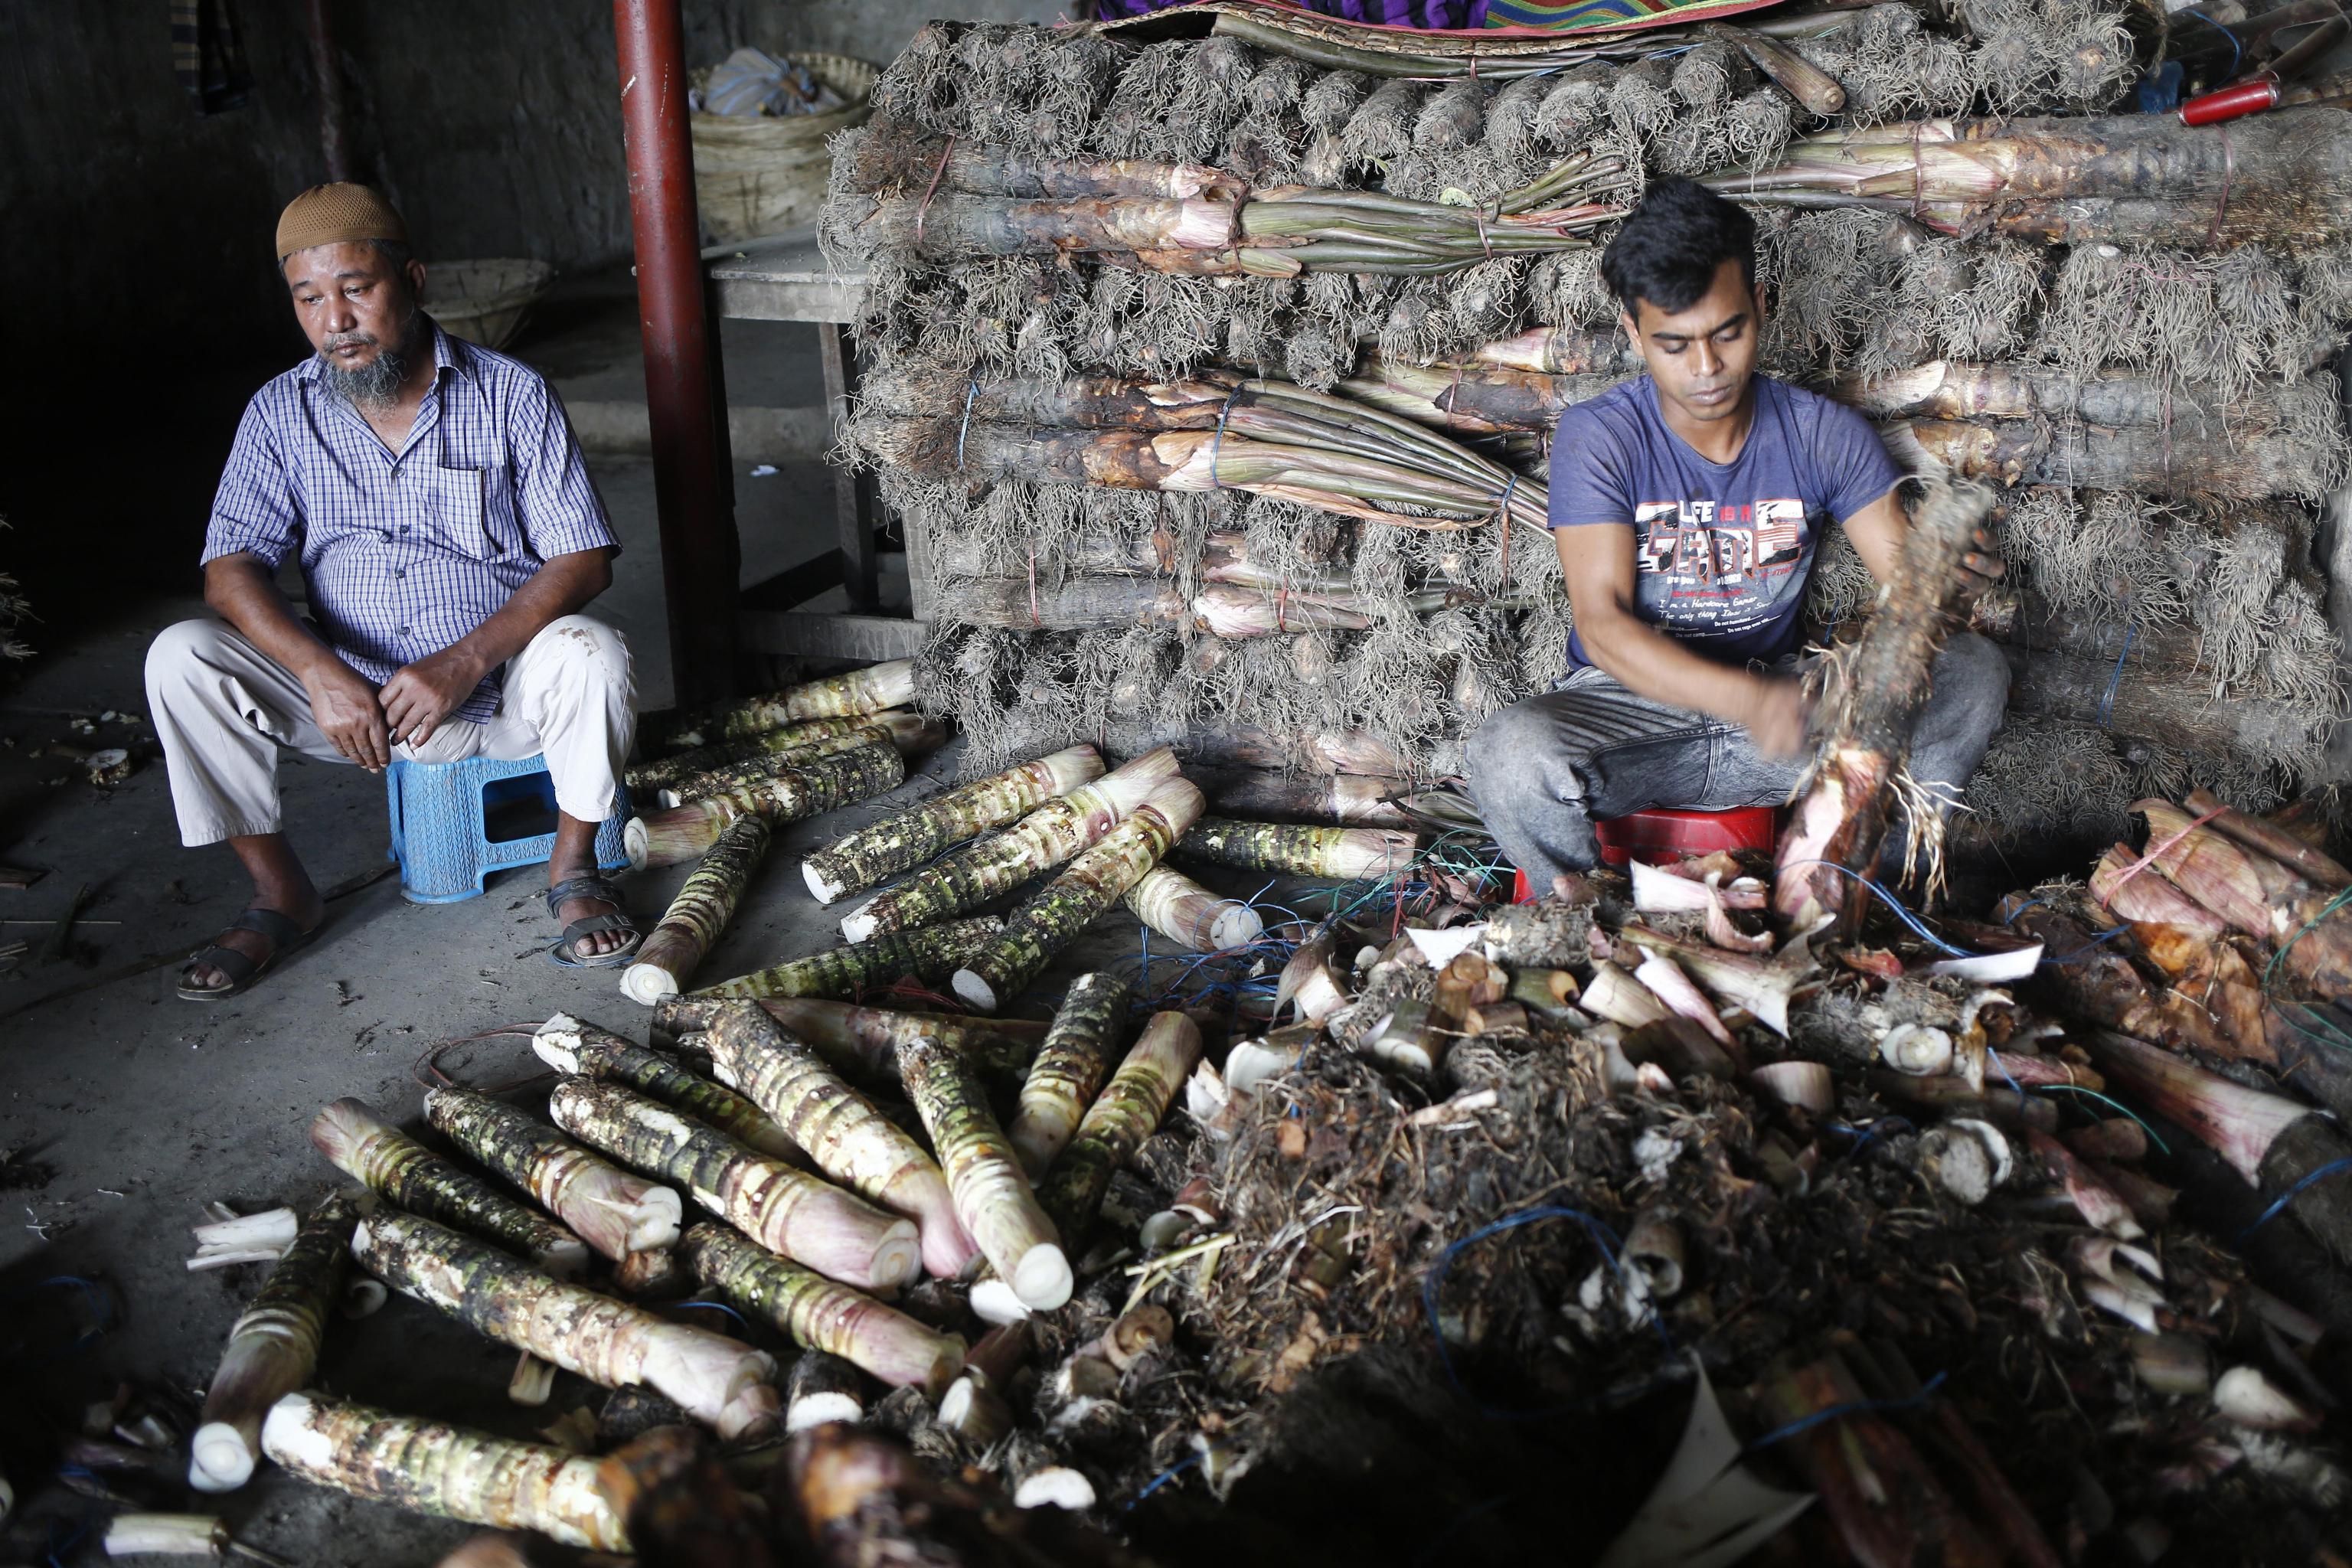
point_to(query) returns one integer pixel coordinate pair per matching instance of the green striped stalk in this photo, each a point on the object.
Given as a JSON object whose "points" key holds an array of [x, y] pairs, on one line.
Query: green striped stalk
{"points": [[1051, 920], [1344, 854], [1038, 842], [821, 1315], [993, 1198], [848, 1138], [1069, 1069], [836, 1233], [907, 839], [719, 1381], [415, 1178], [691, 927], [872, 689], [930, 955], [613, 1212], [816, 738], [1116, 1125], [568, 1046], [683, 832], [273, 1348], [908, 734], [1191, 916], [431, 1468]]}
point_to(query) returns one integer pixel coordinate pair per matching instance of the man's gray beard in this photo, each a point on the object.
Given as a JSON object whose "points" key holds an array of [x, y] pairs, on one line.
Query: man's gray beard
{"points": [[375, 384]]}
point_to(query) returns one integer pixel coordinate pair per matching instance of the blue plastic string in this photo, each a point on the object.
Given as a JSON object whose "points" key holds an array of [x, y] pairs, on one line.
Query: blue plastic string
{"points": [[1868, 1130], [2294, 1192], [1217, 442], [1602, 1238], [2237, 51], [970, 393], [1164, 1477], [716, 1307], [1902, 910], [2119, 1107], [1851, 1407], [2116, 680], [2077, 955]]}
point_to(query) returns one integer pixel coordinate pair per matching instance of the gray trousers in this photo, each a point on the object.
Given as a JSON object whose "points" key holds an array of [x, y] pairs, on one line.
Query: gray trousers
{"points": [[1542, 771]]}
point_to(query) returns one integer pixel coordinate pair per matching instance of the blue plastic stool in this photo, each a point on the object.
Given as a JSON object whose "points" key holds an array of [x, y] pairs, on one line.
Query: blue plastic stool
{"points": [[445, 816]]}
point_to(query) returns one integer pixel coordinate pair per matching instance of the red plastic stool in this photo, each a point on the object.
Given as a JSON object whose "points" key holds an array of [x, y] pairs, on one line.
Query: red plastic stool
{"points": [[1660, 835]]}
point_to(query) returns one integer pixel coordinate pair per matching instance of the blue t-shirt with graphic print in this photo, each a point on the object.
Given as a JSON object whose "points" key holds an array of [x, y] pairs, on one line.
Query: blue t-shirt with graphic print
{"points": [[1721, 550]]}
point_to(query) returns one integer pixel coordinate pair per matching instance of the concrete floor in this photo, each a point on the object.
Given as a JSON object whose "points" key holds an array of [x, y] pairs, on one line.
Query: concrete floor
{"points": [[123, 1109]]}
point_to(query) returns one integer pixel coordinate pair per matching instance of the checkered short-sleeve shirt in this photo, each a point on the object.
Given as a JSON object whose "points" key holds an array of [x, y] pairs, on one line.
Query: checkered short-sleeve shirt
{"points": [[405, 553]]}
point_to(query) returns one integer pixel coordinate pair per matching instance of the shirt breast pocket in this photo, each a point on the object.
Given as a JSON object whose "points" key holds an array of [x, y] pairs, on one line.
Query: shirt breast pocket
{"points": [[459, 512]]}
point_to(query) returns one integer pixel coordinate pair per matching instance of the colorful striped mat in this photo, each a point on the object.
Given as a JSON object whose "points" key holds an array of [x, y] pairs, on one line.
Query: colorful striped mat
{"points": [[1605, 16]]}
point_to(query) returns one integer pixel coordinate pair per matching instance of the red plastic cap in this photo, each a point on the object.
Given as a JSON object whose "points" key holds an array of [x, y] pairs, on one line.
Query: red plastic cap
{"points": [[2230, 104]]}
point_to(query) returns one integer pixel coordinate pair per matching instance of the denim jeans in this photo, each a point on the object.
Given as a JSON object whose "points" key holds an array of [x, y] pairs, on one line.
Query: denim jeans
{"points": [[1544, 770]]}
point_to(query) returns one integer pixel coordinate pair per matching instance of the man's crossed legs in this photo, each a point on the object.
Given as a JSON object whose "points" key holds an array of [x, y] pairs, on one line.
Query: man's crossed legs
{"points": [[222, 709]]}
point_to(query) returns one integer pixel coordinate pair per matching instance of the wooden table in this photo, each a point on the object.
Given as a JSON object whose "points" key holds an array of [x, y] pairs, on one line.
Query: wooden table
{"points": [[787, 278]]}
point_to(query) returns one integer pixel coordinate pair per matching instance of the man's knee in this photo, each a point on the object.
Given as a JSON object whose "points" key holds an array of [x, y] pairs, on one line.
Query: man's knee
{"points": [[1504, 756], [587, 650], [181, 654]]}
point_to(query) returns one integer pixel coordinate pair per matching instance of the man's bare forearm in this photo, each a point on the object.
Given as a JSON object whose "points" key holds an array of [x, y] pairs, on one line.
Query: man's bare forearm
{"points": [[243, 592], [1650, 664], [560, 586]]}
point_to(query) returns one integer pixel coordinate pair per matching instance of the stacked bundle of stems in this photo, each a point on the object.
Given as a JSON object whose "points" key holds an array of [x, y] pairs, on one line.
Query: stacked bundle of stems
{"points": [[2285, 176], [1374, 50], [1269, 437], [2015, 424], [950, 200]]}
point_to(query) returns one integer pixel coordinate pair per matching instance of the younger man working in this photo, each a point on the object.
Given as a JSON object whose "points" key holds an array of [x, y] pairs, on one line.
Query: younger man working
{"points": [[1686, 505]]}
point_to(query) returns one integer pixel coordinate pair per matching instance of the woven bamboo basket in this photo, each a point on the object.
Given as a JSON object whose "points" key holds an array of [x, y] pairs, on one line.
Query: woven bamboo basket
{"points": [[486, 301], [756, 174]]}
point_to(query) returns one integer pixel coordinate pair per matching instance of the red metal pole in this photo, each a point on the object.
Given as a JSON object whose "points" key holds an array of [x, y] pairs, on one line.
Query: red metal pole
{"points": [[334, 120], [700, 555]]}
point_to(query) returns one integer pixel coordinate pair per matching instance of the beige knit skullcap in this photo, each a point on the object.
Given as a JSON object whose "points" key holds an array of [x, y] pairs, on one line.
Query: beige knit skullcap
{"points": [[329, 215]]}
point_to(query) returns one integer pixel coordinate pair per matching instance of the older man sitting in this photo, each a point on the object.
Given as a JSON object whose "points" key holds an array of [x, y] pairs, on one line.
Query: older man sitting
{"points": [[448, 533]]}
